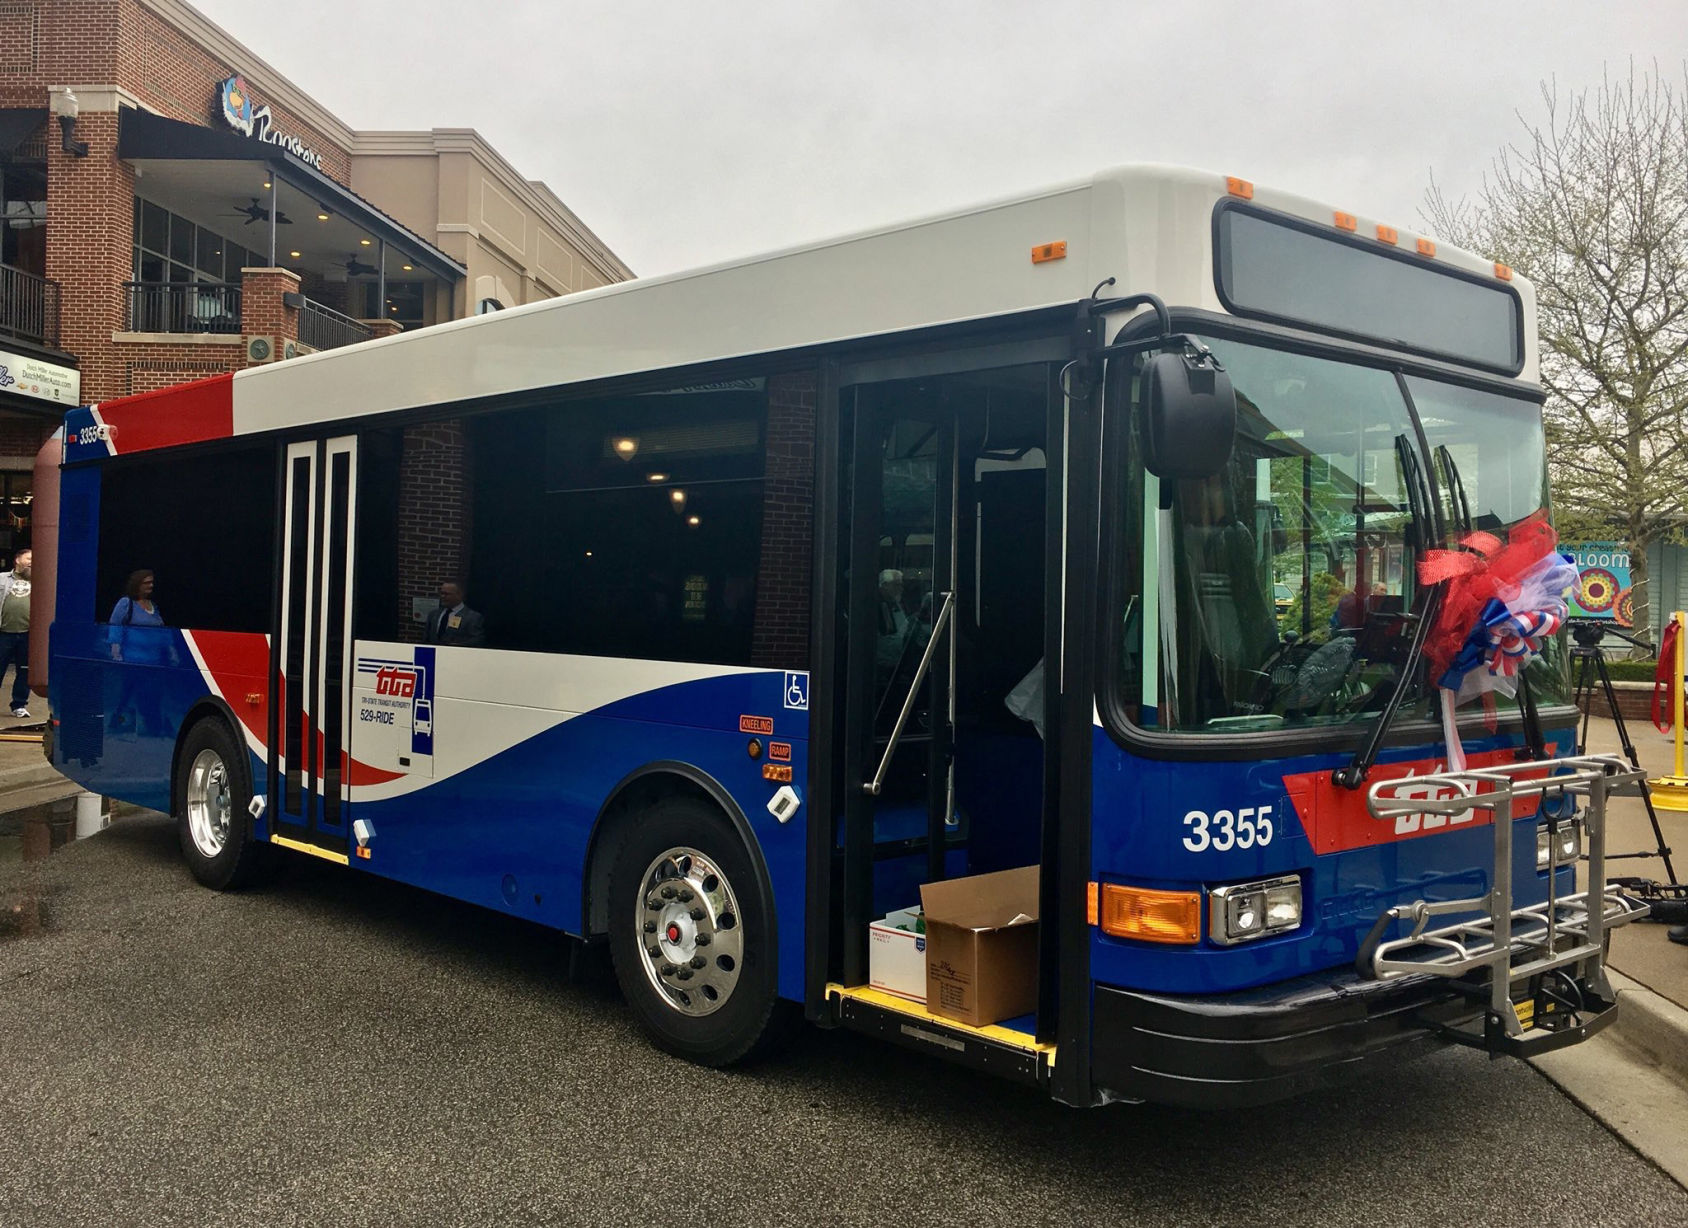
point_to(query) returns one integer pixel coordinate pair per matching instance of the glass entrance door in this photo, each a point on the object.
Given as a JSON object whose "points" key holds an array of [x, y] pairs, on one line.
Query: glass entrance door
{"points": [[310, 695], [900, 595]]}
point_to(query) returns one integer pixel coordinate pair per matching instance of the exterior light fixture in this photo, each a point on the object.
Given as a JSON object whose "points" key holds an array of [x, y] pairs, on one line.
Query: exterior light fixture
{"points": [[678, 498], [365, 242], [295, 255], [322, 217], [62, 103], [694, 521], [656, 477], [406, 267], [626, 447]]}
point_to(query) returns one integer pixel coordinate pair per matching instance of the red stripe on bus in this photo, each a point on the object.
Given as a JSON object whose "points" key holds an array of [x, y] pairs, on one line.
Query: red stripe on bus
{"points": [[186, 413], [1336, 819]]}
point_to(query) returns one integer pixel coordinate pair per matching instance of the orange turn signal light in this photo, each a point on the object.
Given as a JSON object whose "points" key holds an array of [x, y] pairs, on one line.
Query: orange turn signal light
{"points": [[1045, 252], [1151, 916], [1387, 234], [1502, 271], [1427, 248], [1345, 221], [1239, 187]]}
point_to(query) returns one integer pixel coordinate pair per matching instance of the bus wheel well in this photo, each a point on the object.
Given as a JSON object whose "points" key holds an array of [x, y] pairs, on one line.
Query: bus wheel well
{"points": [[209, 708], [645, 789]]}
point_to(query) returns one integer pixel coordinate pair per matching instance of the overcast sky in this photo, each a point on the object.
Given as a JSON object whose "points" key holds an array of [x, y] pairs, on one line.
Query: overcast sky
{"points": [[684, 134]]}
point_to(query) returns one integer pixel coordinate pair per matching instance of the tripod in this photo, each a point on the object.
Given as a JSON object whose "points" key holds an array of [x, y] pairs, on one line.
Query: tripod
{"points": [[1591, 669]]}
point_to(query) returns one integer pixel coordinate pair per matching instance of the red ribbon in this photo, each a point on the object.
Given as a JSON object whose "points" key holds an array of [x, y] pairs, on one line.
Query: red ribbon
{"points": [[1664, 707]]}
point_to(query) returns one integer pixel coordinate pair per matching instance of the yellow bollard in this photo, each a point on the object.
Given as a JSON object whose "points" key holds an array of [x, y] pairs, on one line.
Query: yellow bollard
{"points": [[1671, 792]]}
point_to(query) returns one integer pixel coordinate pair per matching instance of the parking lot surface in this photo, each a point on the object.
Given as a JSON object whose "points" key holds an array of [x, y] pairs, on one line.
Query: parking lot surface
{"points": [[333, 1049]]}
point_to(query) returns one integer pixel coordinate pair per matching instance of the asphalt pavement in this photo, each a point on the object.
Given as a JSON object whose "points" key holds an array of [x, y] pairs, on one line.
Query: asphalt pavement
{"points": [[336, 1050]]}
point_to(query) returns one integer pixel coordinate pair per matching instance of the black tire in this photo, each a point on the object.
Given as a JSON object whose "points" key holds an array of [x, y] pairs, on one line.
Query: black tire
{"points": [[741, 1003], [238, 860]]}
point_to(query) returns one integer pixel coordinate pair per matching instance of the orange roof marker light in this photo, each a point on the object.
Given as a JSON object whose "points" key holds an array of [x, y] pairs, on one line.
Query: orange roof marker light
{"points": [[1387, 234], [1151, 916], [1049, 251], [1345, 221], [1239, 187], [1502, 271], [1427, 247]]}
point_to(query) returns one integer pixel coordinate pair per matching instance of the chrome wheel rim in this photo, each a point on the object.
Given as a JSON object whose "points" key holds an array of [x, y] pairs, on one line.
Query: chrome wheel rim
{"points": [[208, 803], [689, 931]]}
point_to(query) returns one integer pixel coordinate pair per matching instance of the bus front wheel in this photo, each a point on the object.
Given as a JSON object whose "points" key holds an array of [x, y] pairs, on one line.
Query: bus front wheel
{"points": [[691, 934], [213, 790]]}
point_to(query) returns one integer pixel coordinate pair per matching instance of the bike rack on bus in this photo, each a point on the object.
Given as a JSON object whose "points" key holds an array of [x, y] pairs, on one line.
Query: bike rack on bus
{"points": [[1541, 944]]}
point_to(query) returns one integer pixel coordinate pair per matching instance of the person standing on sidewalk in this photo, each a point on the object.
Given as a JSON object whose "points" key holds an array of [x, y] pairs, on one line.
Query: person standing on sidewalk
{"points": [[14, 628]]}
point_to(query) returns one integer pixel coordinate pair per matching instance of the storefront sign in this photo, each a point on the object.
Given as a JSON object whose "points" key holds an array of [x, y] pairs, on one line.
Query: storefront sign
{"points": [[1603, 584], [255, 122], [30, 377]]}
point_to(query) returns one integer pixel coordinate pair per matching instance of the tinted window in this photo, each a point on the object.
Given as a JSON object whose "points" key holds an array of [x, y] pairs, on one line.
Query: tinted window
{"points": [[1277, 269], [670, 526], [204, 525]]}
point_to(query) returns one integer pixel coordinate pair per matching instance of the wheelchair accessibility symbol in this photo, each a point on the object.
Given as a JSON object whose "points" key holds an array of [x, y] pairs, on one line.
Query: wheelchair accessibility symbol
{"points": [[797, 691]]}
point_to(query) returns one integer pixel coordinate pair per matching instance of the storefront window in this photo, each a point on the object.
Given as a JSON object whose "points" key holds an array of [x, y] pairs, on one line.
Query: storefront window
{"points": [[405, 303], [170, 248], [23, 206]]}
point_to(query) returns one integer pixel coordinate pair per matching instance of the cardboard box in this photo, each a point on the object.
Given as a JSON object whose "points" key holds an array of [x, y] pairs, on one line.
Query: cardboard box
{"points": [[896, 958], [981, 946]]}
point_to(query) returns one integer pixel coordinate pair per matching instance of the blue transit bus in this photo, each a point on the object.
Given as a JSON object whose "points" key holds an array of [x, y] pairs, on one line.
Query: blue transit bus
{"points": [[1128, 570]]}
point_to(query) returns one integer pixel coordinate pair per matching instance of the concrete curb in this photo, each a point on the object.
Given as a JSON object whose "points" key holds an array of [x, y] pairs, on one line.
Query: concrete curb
{"points": [[1651, 1025]]}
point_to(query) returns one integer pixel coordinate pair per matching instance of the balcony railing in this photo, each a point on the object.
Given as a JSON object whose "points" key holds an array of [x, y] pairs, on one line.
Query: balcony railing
{"points": [[182, 307], [29, 306], [323, 328]]}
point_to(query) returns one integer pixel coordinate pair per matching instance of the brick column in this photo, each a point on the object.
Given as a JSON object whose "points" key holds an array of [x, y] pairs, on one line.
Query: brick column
{"points": [[382, 328], [90, 248], [263, 312], [786, 569]]}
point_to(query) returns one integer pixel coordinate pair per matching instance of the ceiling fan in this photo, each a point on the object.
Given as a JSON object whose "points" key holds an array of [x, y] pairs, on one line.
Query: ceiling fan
{"points": [[357, 268], [256, 212]]}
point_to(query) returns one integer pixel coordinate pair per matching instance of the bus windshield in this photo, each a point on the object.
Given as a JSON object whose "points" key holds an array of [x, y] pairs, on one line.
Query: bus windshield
{"points": [[1277, 594]]}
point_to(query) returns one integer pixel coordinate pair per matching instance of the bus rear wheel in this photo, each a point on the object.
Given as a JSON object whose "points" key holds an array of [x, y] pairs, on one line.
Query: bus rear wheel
{"points": [[213, 790], [691, 934]]}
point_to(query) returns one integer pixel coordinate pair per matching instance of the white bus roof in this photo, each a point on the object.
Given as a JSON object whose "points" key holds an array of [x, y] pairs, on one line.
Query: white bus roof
{"points": [[1148, 227]]}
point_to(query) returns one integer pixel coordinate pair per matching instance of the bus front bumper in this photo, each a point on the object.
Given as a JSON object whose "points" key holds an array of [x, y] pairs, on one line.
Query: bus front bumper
{"points": [[1257, 1046]]}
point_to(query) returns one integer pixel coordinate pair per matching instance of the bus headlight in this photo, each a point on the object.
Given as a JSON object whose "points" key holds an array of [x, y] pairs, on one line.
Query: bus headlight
{"points": [[1245, 911], [1569, 836]]}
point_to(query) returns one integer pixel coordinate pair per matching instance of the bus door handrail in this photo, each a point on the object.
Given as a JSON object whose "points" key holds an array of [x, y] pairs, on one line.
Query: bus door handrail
{"points": [[873, 786]]}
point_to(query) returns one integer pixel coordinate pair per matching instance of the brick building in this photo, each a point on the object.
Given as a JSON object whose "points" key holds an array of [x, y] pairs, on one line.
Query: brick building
{"points": [[174, 208]]}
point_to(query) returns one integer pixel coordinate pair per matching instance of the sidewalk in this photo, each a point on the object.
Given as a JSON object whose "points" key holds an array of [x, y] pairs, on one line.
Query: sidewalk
{"points": [[1641, 951]]}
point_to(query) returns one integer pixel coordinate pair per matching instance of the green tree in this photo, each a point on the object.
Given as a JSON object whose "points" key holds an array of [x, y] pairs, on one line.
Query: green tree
{"points": [[1592, 206]]}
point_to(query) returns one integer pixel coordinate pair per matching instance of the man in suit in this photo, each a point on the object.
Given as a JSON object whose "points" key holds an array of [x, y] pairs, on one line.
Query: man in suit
{"points": [[455, 624]]}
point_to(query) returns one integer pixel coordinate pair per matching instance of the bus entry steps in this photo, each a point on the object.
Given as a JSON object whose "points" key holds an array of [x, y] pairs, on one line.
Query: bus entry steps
{"points": [[1539, 970], [992, 1048]]}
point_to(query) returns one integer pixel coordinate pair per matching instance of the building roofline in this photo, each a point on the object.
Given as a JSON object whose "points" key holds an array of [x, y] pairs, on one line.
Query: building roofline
{"points": [[263, 76], [536, 193]]}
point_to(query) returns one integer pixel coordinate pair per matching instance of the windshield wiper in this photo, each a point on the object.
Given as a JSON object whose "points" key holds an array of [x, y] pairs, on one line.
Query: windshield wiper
{"points": [[1421, 503]]}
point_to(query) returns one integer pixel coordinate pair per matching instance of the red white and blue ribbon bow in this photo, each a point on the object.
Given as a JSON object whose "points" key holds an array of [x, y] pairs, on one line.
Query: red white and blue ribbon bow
{"points": [[1502, 604]]}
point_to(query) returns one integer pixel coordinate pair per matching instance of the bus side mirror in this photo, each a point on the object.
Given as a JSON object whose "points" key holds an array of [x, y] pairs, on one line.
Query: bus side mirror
{"points": [[1190, 415]]}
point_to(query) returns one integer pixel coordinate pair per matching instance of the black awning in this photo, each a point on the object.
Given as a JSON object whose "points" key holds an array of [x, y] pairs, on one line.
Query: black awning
{"points": [[143, 136], [17, 125]]}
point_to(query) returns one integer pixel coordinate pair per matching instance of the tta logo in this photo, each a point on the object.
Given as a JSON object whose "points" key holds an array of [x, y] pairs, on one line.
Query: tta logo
{"points": [[6, 380], [390, 680]]}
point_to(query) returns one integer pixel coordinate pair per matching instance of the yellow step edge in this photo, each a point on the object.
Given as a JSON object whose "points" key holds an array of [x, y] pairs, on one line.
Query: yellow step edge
{"points": [[299, 846], [916, 1010]]}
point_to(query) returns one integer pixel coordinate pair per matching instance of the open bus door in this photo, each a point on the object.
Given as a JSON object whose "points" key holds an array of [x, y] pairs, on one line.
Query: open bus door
{"points": [[951, 515], [899, 818]]}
